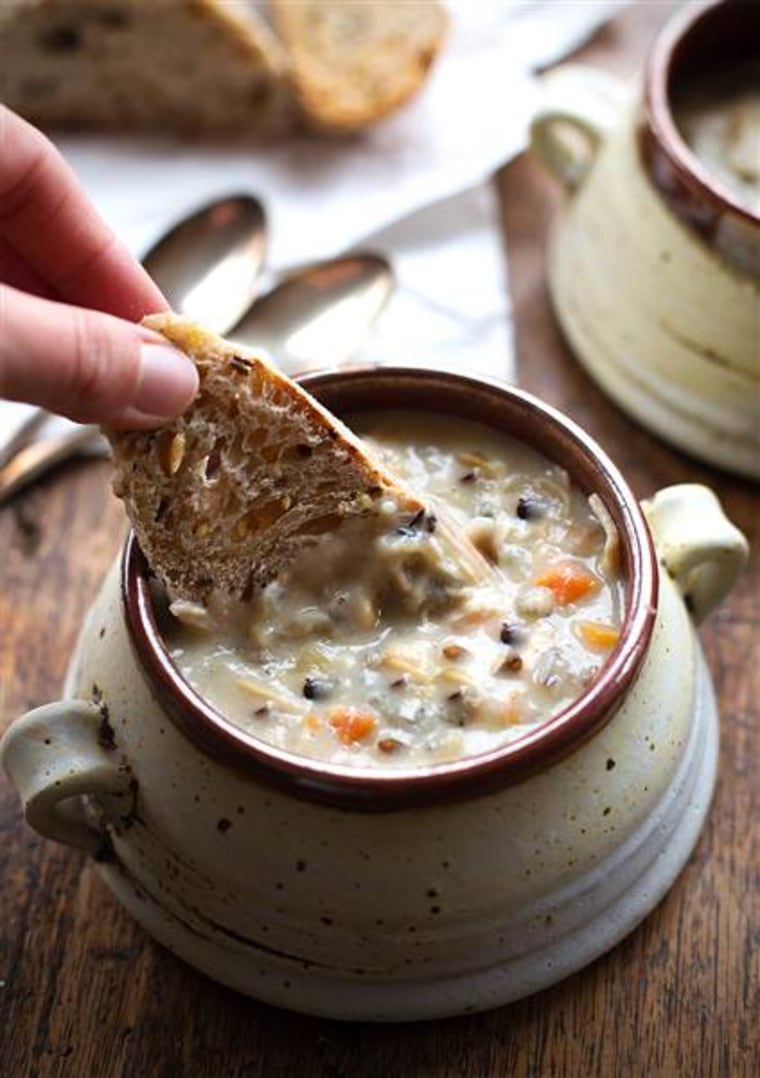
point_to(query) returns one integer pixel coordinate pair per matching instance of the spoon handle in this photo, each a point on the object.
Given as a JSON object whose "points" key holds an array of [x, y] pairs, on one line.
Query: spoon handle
{"points": [[23, 435], [38, 457]]}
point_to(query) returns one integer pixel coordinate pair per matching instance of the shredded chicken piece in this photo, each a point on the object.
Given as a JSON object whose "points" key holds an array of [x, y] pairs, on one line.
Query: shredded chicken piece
{"points": [[610, 560]]}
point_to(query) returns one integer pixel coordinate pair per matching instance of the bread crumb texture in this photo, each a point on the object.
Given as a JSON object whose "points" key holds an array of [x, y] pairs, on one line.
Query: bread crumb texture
{"points": [[194, 67], [255, 471]]}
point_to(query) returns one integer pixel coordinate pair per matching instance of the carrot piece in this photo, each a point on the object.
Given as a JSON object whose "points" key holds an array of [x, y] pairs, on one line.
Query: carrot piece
{"points": [[312, 722], [568, 582], [351, 726], [598, 636]]}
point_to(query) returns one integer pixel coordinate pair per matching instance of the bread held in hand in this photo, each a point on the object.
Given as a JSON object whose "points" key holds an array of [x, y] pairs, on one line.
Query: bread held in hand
{"points": [[255, 471]]}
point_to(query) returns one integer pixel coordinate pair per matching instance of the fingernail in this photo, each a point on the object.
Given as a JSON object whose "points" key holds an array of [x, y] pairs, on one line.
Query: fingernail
{"points": [[168, 382]]}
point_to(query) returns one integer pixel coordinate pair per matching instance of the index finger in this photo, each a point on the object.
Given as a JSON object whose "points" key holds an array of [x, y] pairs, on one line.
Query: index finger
{"points": [[47, 218]]}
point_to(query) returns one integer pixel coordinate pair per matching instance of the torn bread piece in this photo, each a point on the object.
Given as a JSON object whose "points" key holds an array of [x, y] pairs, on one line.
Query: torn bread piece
{"points": [[256, 471], [353, 63]]}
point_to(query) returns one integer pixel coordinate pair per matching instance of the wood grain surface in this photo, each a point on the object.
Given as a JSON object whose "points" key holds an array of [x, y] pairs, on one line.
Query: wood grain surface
{"points": [[83, 991]]}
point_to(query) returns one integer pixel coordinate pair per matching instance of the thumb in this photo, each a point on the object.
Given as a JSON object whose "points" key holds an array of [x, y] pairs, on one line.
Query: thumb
{"points": [[89, 366]]}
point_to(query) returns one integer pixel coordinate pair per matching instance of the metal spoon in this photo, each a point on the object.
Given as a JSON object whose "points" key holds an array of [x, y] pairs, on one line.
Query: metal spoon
{"points": [[208, 265], [38, 458], [24, 434], [317, 317]]}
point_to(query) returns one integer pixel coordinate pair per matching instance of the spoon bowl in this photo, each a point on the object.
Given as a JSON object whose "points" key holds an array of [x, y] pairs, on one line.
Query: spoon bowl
{"points": [[320, 314], [208, 265]]}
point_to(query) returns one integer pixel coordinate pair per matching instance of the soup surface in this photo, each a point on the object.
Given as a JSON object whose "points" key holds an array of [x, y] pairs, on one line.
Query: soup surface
{"points": [[719, 118], [388, 648]]}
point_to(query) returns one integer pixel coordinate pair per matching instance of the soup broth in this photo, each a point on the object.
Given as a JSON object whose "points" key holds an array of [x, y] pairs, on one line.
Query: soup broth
{"points": [[719, 118], [374, 650]]}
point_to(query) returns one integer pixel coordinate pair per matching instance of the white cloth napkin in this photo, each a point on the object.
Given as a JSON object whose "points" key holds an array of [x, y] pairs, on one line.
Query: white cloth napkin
{"points": [[415, 187]]}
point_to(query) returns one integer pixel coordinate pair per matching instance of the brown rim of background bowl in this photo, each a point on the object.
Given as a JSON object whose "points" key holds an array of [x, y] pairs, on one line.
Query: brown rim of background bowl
{"points": [[713, 30], [502, 408]]}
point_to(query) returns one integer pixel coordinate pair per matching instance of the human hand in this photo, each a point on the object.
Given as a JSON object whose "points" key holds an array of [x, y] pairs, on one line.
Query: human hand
{"points": [[70, 293]]}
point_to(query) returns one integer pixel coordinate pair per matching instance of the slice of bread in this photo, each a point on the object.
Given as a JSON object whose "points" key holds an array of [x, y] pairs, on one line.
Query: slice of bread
{"points": [[195, 67], [354, 62], [256, 470]]}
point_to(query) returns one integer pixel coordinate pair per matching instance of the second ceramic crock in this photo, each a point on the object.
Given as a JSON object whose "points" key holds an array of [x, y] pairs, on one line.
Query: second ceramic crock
{"points": [[654, 270]]}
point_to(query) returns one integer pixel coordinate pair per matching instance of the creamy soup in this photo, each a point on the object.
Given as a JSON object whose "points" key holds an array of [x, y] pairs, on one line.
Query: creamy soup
{"points": [[719, 117], [393, 649]]}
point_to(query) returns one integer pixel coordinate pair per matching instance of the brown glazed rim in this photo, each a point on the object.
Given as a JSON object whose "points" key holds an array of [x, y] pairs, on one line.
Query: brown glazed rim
{"points": [[502, 408], [689, 188]]}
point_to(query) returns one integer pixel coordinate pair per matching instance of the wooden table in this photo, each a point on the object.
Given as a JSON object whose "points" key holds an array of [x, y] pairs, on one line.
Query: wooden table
{"points": [[83, 991]]}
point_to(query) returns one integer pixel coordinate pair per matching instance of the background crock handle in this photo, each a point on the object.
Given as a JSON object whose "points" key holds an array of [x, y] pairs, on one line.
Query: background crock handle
{"points": [[56, 754], [579, 107], [697, 544]]}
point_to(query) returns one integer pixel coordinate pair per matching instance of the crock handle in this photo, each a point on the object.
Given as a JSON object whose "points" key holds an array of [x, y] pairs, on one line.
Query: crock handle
{"points": [[697, 544], [580, 106], [53, 756]]}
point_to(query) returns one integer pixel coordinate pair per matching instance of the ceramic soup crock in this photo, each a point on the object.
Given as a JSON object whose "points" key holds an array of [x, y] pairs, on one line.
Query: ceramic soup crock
{"points": [[654, 266], [388, 895]]}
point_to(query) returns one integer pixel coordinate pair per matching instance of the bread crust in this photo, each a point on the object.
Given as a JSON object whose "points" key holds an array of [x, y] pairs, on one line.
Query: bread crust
{"points": [[228, 494], [352, 64]]}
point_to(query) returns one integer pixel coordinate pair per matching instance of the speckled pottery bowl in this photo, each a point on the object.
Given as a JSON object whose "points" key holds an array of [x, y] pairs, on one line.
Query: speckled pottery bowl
{"points": [[387, 895], [654, 266]]}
